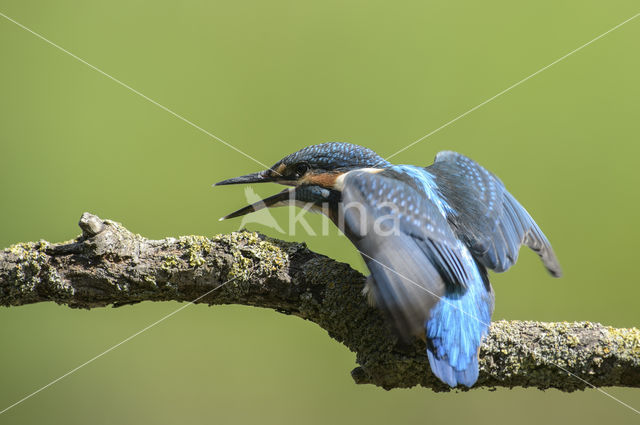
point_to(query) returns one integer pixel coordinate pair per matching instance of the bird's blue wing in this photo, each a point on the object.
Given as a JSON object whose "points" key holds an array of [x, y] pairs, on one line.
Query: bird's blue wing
{"points": [[490, 221], [408, 245]]}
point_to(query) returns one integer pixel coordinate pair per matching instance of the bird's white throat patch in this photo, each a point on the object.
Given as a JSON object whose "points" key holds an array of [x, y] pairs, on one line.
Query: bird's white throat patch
{"points": [[339, 183]]}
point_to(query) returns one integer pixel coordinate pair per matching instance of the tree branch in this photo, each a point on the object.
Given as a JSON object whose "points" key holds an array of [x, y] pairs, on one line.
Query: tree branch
{"points": [[108, 264]]}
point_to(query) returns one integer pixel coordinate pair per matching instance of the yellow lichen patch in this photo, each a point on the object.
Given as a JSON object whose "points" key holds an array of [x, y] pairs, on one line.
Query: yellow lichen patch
{"points": [[150, 280], [31, 258], [169, 262], [572, 340], [196, 247], [23, 250], [628, 340], [246, 248], [32, 268]]}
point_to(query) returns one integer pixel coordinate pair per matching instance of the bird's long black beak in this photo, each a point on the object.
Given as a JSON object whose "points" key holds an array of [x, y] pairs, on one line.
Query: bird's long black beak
{"points": [[259, 177], [279, 199]]}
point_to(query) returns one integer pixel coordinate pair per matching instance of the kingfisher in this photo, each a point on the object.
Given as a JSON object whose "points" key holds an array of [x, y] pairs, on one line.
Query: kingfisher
{"points": [[427, 235]]}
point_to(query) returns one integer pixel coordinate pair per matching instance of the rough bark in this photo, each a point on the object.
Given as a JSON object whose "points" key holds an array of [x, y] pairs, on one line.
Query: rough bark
{"points": [[108, 264]]}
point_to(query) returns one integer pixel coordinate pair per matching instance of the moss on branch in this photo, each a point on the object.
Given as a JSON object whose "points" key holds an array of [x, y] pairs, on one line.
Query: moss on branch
{"points": [[109, 265]]}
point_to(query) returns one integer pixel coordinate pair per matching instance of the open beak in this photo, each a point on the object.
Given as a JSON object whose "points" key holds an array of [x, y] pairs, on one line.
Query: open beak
{"points": [[277, 200], [259, 177]]}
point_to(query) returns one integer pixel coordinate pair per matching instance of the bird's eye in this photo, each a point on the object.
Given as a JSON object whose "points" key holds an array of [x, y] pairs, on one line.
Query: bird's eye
{"points": [[301, 169]]}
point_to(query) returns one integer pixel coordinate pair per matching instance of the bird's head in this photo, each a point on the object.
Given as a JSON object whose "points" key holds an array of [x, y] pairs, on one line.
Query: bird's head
{"points": [[313, 172]]}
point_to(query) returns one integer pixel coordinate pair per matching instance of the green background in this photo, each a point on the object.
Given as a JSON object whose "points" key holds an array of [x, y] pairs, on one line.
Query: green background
{"points": [[270, 77]]}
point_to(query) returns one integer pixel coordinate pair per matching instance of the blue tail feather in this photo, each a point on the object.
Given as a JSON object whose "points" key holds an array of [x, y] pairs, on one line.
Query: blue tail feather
{"points": [[455, 330], [449, 375]]}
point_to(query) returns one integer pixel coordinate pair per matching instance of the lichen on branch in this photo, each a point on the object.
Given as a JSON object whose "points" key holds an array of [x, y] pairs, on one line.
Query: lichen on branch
{"points": [[109, 265]]}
